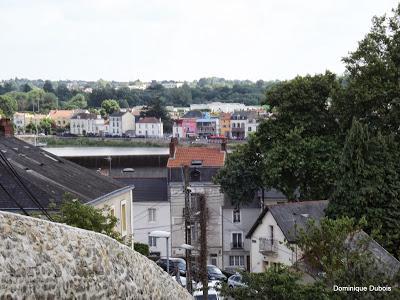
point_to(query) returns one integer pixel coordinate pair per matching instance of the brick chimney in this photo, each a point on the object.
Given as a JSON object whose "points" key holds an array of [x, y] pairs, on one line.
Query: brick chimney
{"points": [[172, 147], [223, 145], [6, 127]]}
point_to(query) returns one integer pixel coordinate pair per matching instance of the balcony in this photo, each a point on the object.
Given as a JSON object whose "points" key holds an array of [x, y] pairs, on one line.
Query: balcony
{"points": [[268, 246], [237, 246]]}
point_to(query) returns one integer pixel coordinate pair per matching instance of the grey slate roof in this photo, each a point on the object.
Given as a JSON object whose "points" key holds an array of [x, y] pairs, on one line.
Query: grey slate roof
{"points": [[193, 114], [84, 116], [147, 189], [118, 113], [47, 176], [287, 215], [269, 195], [385, 262]]}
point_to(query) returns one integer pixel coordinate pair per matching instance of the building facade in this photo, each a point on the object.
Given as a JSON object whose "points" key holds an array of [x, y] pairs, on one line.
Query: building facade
{"points": [[61, 118], [121, 122], [203, 163], [225, 124], [207, 127], [149, 127], [86, 123]]}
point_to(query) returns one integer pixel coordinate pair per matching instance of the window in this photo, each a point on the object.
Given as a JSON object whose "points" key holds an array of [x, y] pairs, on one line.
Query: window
{"points": [[236, 215], [249, 128], [195, 175], [152, 241], [237, 241], [236, 260], [123, 217], [152, 214], [271, 232]]}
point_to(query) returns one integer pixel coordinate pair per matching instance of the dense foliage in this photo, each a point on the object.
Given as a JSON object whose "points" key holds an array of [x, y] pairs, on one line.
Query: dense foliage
{"points": [[76, 214], [63, 96]]}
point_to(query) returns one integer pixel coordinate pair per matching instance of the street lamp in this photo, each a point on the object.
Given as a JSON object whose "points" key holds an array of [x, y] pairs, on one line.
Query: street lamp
{"points": [[166, 235]]}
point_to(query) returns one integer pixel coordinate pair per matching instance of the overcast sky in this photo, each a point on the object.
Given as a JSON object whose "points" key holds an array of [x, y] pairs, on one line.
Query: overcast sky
{"points": [[180, 39]]}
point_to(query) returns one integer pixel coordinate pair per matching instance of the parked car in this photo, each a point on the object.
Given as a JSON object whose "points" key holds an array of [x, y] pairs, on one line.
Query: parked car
{"points": [[235, 281], [213, 273], [213, 291], [173, 262]]}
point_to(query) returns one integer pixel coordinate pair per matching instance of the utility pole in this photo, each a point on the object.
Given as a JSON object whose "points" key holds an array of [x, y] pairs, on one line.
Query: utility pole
{"points": [[203, 245], [188, 233]]}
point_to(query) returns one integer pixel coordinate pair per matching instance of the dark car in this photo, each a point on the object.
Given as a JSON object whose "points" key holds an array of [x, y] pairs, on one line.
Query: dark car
{"points": [[173, 263], [213, 273]]}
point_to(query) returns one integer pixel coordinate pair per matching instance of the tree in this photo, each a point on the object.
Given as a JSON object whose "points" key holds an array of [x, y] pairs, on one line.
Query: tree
{"points": [[141, 248], [123, 103], [48, 87], [8, 105], [63, 93], [156, 108], [370, 91], [26, 88], [368, 185], [296, 150], [77, 102], [337, 253], [76, 214], [277, 284], [48, 102], [110, 106], [241, 176], [35, 99], [46, 125]]}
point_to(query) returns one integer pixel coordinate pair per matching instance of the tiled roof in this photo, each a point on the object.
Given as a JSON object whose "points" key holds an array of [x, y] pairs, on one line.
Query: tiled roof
{"points": [[149, 120], [210, 157], [61, 113]]}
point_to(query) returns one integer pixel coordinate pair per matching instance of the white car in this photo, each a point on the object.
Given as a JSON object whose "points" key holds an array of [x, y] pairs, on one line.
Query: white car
{"points": [[213, 293], [235, 281]]}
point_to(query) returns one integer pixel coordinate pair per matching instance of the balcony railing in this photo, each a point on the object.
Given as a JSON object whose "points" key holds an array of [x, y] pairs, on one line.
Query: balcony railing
{"points": [[268, 246], [237, 245]]}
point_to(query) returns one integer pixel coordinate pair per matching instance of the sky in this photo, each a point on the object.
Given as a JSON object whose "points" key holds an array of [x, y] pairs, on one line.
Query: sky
{"points": [[125, 40]]}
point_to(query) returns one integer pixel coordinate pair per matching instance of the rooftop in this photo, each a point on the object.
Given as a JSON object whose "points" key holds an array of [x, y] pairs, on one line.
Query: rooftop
{"points": [[62, 113], [118, 113], [47, 176], [193, 114], [149, 120], [84, 116], [287, 215], [147, 189], [210, 157]]}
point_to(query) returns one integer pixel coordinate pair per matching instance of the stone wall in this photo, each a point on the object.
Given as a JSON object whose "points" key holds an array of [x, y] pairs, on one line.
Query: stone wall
{"points": [[45, 260]]}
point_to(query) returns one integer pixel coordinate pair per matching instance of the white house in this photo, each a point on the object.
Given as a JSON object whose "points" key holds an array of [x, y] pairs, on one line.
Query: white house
{"points": [[120, 122], [86, 123], [273, 235], [149, 127], [151, 212]]}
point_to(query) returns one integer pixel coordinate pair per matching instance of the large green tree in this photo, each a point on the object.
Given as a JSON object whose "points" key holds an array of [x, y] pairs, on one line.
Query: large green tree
{"points": [[371, 90], [296, 149], [8, 105], [368, 185], [110, 106], [241, 176], [76, 102]]}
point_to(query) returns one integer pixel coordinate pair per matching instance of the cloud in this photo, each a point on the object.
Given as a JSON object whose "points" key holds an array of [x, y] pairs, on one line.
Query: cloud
{"points": [[177, 39]]}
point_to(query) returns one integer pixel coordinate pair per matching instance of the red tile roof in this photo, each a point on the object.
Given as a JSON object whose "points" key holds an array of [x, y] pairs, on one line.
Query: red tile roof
{"points": [[211, 157], [149, 120]]}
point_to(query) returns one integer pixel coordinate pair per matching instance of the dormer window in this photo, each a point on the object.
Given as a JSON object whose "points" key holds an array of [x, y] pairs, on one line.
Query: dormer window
{"points": [[197, 163]]}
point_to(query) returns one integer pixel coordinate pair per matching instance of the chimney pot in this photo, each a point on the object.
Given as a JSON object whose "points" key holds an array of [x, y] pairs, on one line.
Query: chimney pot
{"points": [[172, 147]]}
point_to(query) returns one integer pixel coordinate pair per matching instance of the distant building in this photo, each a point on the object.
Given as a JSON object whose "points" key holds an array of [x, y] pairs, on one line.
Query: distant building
{"points": [[121, 122], [86, 123], [149, 127], [21, 120], [225, 124], [61, 117], [207, 127], [203, 164], [172, 85], [244, 123], [186, 126]]}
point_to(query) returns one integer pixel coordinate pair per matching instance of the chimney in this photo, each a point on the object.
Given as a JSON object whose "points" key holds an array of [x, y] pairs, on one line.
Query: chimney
{"points": [[223, 145], [6, 128], [172, 147]]}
